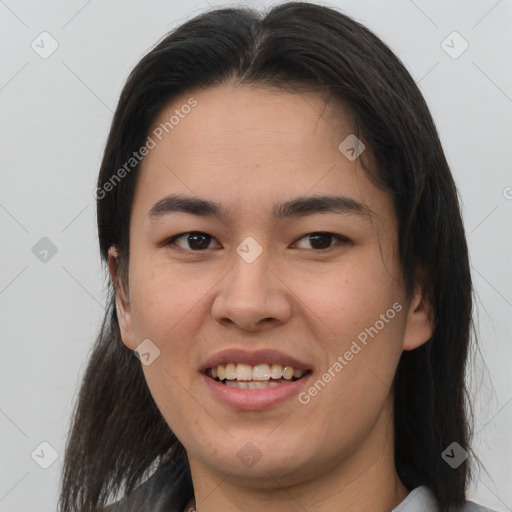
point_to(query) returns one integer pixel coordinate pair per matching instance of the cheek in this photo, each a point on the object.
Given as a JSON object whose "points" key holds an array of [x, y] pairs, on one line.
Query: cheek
{"points": [[164, 301], [173, 399], [362, 305], [352, 296]]}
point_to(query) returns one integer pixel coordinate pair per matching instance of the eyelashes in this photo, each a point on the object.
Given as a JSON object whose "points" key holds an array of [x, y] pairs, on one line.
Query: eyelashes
{"points": [[201, 241], [319, 236], [195, 235]]}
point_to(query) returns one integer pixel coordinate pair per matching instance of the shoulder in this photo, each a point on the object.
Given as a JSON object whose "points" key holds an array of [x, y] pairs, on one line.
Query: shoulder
{"points": [[421, 499], [475, 507]]}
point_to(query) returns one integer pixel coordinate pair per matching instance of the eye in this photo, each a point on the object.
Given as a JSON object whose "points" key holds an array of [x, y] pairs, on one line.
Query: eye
{"points": [[322, 240], [196, 240]]}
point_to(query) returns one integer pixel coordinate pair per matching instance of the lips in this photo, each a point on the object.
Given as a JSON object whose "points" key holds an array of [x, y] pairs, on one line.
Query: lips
{"points": [[264, 390], [249, 396]]}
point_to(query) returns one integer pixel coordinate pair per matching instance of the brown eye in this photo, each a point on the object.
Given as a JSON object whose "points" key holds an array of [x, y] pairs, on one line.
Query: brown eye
{"points": [[322, 241], [197, 241], [194, 240]]}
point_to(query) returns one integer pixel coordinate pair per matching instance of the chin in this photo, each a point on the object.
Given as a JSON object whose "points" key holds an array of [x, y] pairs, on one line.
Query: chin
{"points": [[257, 457]]}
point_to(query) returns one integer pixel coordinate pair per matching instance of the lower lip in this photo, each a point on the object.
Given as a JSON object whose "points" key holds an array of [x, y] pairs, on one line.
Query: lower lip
{"points": [[255, 399]]}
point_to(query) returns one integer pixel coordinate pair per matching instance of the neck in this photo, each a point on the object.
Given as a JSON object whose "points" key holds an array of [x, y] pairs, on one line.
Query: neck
{"points": [[364, 480]]}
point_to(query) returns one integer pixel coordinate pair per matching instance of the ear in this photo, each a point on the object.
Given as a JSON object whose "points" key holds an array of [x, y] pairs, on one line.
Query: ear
{"points": [[420, 323], [122, 302]]}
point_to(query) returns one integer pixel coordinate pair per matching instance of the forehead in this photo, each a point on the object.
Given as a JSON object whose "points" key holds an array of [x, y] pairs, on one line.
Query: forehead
{"points": [[250, 115], [250, 148]]}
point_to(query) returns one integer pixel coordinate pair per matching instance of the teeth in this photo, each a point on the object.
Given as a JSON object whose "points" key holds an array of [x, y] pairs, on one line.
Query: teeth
{"points": [[276, 372], [257, 374], [251, 385], [288, 372], [231, 371], [243, 372], [260, 372]]}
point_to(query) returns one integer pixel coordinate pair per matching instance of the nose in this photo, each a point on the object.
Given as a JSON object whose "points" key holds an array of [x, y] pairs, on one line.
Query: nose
{"points": [[252, 296]]}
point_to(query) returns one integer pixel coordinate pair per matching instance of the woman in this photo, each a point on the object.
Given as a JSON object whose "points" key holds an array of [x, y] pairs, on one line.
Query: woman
{"points": [[275, 370]]}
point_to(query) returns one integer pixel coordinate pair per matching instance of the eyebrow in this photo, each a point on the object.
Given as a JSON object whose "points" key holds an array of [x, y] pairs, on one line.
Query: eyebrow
{"points": [[297, 207]]}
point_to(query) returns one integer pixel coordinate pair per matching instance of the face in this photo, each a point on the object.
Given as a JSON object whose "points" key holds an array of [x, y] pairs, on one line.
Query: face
{"points": [[269, 286]]}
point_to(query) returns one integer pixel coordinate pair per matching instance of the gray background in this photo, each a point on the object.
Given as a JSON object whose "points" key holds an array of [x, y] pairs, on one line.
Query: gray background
{"points": [[55, 116]]}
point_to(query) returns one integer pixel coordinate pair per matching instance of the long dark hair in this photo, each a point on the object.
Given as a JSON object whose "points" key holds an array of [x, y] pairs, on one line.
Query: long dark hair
{"points": [[118, 436]]}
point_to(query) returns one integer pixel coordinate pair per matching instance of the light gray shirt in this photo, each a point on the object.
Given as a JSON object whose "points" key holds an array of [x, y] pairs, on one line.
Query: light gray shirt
{"points": [[421, 499]]}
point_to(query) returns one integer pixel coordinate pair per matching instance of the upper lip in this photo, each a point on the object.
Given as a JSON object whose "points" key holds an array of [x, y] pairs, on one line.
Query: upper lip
{"points": [[253, 358]]}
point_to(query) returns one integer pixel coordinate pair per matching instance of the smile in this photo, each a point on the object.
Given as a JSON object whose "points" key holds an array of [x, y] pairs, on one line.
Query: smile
{"points": [[245, 376]]}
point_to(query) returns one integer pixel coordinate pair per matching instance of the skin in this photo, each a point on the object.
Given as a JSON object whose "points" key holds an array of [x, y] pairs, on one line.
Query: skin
{"points": [[249, 148]]}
